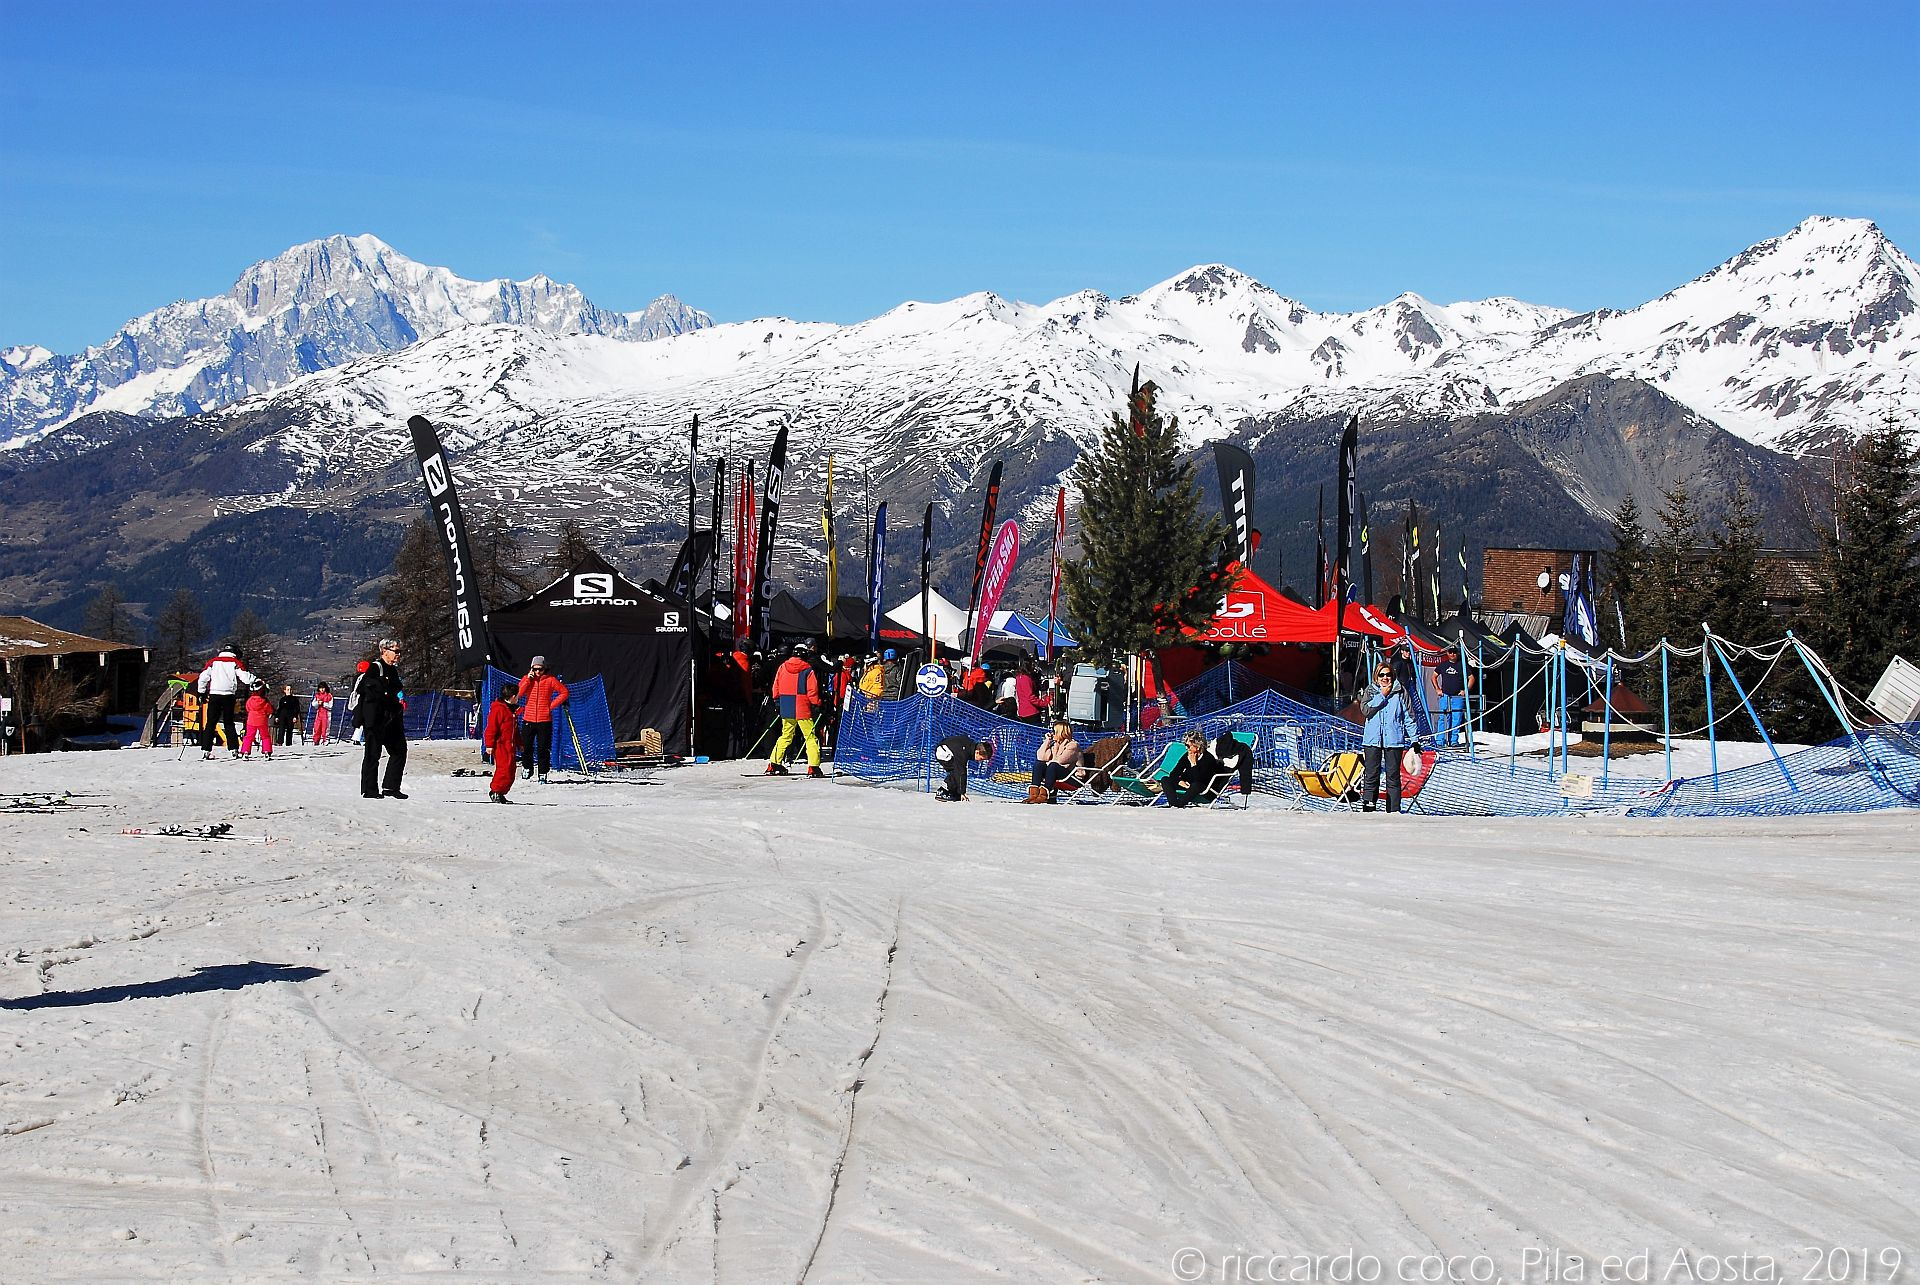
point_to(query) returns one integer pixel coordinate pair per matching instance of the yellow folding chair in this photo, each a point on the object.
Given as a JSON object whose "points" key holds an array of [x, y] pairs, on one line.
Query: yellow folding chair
{"points": [[1335, 780]]}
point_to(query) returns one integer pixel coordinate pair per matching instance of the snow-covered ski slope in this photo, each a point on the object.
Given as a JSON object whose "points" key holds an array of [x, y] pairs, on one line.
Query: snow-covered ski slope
{"points": [[699, 1027]]}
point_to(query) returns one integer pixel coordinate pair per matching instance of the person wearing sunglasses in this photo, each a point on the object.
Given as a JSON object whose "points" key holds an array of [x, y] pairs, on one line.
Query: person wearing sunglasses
{"points": [[1390, 729], [380, 707], [540, 694]]}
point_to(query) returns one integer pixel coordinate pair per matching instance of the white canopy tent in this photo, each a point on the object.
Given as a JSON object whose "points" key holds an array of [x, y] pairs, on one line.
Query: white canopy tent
{"points": [[949, 622]]}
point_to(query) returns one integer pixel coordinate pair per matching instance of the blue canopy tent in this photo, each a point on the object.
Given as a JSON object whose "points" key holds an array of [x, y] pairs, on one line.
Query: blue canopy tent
{"points": [[1061, 638]]}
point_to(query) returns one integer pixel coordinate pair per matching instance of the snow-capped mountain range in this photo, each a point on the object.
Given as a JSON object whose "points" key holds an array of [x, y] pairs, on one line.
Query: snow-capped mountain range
{"points": [[312, 308], [1509, 421], [1797, 340]]}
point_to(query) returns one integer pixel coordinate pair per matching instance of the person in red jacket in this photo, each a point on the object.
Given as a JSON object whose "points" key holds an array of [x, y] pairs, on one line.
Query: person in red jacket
{"points": [[499, 740], [540, 694], [797, 687], [259, 722]]}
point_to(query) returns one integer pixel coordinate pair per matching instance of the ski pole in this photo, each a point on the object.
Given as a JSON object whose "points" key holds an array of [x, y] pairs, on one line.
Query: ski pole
{"points": [[755, 748], [574, 732]]}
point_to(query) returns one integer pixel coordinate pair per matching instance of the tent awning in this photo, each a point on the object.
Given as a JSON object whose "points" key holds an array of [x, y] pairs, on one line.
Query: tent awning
{"points": [[1254, 611]]}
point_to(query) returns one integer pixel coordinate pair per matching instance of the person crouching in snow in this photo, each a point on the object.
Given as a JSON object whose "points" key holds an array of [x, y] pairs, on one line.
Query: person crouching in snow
{"points": [[500, 740], [259, 722], [954, 754], [797, 687], [1059, 754]]}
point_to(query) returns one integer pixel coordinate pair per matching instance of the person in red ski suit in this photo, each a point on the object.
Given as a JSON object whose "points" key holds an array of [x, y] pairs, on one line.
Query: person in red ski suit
{"points": [[322, 713], [259, 722], [499, 740]]}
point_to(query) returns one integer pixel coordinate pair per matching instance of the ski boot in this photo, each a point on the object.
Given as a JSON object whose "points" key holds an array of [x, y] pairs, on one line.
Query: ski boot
{"points": [[778, 769], [815, 772]]}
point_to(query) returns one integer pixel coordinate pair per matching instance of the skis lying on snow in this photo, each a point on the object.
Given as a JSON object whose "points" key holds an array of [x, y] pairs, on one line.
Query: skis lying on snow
{"points": [[222, 831], [37, 802]]}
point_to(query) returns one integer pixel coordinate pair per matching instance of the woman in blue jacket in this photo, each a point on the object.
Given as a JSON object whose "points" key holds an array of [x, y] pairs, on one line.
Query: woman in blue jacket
{"points": [[1390, 729]]}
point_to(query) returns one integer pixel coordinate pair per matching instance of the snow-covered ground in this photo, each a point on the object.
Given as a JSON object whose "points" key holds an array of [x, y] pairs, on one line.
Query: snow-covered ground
{"points": [[702, 1027]]}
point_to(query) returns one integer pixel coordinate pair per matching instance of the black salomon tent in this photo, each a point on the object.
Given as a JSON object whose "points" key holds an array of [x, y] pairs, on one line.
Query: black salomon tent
{"points": [[594, 621]]}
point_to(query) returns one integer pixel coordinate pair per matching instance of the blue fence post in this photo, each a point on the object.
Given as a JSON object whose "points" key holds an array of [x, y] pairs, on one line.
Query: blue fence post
{"points": [[1666, 709], [1754, 714], [1513, 714], [1606, 733], [1846, 724], [1706, 669]]}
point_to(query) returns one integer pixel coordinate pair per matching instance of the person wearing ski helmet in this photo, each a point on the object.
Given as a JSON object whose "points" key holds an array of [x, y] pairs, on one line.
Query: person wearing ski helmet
{"points": [[221, 684], [259, 722], [796, 686]]}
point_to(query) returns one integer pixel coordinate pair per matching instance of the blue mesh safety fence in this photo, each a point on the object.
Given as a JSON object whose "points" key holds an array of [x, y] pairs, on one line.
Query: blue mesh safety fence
{"points": [[435, 716], [582, 727], [893, 741], [1230, 682]]}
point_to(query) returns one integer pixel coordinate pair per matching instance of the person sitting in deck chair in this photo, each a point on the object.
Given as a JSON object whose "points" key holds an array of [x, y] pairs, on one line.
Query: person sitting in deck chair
{"points": [[1059, 754], [1196, 777]]}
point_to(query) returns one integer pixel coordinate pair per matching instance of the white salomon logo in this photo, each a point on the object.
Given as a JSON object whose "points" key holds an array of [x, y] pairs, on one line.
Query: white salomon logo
{"points": [[593, 584], [434, 470], [669, 620]]}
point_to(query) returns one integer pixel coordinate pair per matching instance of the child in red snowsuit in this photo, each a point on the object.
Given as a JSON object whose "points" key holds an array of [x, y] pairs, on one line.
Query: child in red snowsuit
{"points": [[322, 713], [259, 722], [499, 740]]}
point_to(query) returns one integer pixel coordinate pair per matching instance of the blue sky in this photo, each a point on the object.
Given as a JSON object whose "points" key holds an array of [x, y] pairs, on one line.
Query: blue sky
{"points": [[827, 161]]}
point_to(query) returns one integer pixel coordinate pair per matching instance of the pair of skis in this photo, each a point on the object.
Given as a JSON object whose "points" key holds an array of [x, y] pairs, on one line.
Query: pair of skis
{"points": [[222, 831], [45, 801]]}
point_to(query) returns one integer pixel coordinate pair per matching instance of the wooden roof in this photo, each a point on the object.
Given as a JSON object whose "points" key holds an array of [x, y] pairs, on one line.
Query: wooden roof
{"points": [[21, 637]]}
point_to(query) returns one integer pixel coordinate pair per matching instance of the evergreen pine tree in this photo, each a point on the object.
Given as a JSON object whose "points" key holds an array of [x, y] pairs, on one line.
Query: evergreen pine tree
{"points": [[257, 649], [416, 608], [107, 616], [1732, 601], [1150, 559], [1870, 612], [572, 547], [1734, 594], [1670, 602], [1625, 569], [175, 640], [1668, 596], [499, 559]]}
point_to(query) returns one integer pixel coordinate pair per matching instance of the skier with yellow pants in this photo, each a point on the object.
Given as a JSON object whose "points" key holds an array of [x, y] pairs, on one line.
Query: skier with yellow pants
{"points": [[797, 687]]}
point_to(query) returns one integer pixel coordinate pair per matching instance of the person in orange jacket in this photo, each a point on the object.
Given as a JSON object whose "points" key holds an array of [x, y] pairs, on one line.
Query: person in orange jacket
{"points": [[540, 694], [499, 740], [796, 686]]}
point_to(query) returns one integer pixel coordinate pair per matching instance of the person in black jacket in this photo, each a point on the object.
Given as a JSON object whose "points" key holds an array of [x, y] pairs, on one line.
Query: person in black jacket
{"points": [[380, 708], [954, 754], [1196, 777], [286, 715]]}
